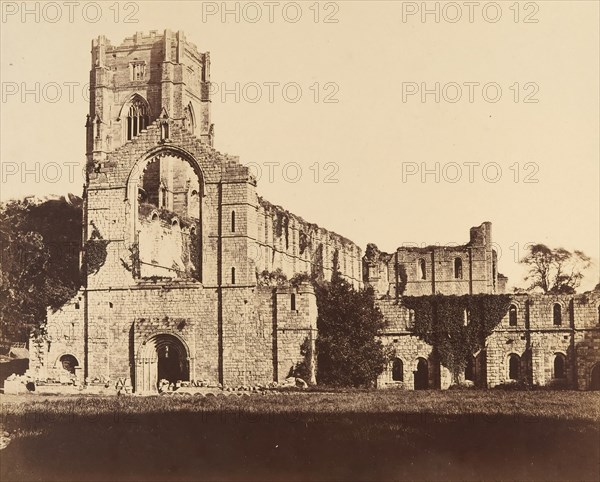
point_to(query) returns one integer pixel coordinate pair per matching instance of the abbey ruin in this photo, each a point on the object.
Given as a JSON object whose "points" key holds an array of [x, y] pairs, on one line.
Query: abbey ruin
{"points": [[176, 238]]}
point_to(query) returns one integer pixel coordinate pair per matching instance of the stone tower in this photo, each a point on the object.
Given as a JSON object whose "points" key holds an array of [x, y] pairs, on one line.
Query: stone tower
{"points": [[170, 231], [145, 78]]}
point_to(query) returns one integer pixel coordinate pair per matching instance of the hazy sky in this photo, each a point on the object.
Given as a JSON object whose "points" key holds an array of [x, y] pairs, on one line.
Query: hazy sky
{"points": [[518, 102]]}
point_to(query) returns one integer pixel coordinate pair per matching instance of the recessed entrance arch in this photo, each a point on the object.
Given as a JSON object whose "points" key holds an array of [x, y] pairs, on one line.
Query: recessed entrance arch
{"points": [[163, 356]]}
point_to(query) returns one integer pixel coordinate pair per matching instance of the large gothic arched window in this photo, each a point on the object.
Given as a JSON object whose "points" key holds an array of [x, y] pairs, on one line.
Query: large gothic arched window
{"points": [[137, 118]]}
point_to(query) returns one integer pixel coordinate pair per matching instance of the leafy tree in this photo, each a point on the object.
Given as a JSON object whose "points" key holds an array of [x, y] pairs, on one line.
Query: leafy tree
{"points": [[555, 271], [39, 248], [348, 350]]}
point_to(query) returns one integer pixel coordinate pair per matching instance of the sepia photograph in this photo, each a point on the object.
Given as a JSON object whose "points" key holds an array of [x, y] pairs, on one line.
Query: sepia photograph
{"points": [[304, 240]]}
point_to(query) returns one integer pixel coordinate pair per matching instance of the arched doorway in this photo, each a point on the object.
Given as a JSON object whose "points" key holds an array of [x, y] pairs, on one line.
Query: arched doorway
{"points": [[595, 377], [162, 357], [422, 374], [560, 366]]}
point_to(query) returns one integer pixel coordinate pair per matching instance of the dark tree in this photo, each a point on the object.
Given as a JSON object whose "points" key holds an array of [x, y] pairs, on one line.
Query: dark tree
{"points": [[349, 352], [555, 271], [40, 247]]}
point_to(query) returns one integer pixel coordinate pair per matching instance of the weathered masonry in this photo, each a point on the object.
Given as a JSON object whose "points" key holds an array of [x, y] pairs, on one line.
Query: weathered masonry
{"points": [[176, 239], [175, 235], [544, 339]]}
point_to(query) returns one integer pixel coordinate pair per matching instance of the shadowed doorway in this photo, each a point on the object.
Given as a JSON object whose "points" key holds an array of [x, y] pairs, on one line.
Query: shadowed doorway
{"points": [[162, 357], [422, 375]]}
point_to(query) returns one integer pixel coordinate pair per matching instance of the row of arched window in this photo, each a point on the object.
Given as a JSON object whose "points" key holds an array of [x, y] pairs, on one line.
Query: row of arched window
{"points": [[559, 369], [557, 316], [514, 368], [422, 268]]}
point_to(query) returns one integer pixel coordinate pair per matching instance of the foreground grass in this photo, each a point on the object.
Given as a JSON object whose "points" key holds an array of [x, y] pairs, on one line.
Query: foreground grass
{"points": [[370, 435]]}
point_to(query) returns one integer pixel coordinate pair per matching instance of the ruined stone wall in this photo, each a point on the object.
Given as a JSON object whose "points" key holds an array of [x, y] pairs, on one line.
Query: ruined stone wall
{"points": [[65, 335], [261, 342], [165, 247], [289, 243], [414, 271], [538, 339], [296, 331], [535, 338]]}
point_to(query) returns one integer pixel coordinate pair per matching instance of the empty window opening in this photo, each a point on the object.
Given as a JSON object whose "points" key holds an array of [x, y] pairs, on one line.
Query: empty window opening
{"points": [[397, 370], [512, 315], [422, 269], [557, 314], [138, 70], [137, 118], [293, 301], [232, 276], [233, 221], [69, 362], [458, 272]]}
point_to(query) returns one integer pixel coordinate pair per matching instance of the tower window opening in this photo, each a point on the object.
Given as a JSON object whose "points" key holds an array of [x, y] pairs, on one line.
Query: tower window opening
{"points": [[232, 276], [293, 301], [138, 70], [137, 119], [233, 221]]}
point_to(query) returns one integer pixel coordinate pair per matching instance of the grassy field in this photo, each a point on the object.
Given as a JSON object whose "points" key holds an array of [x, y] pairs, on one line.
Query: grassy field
{"points": [[354, 435]]}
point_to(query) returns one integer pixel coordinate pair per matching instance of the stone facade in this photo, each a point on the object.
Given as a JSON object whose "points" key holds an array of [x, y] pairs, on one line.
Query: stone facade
{"points": [[175, 235], [176, 239], [546, 340], [412, 271]]}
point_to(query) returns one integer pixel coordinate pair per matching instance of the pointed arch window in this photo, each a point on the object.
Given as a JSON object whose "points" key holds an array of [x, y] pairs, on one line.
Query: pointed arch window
{"points": [[137, 118]]}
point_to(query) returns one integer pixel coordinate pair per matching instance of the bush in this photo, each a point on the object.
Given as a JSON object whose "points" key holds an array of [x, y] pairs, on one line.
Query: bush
{"points": [[348, 351]]}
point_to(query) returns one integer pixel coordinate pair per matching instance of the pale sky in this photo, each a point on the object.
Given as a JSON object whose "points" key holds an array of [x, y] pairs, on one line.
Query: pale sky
{"points": [[371, 61]]}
